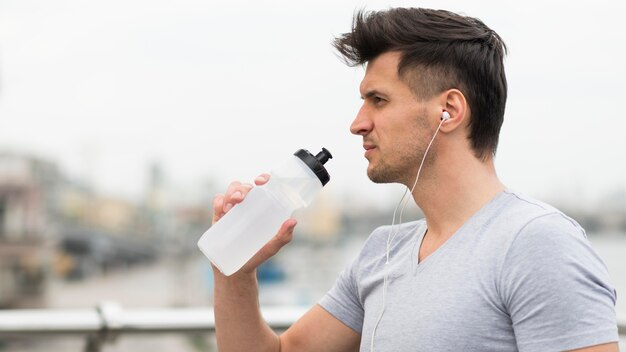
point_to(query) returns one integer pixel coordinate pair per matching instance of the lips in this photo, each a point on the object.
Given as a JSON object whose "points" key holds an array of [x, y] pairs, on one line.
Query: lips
{"points": [[369, 148]]}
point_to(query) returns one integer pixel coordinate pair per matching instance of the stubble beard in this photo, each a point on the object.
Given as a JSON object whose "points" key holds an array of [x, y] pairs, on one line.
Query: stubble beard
{"points": [[402, 171], [383, 173], [404, 168], [401, 164]]}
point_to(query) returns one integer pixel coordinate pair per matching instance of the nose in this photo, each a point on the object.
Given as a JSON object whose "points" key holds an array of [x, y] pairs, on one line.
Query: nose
{"points": [[362, 124]]}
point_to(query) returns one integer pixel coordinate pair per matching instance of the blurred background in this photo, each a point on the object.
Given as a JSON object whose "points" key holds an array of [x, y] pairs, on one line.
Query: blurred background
{"points": [[120, 119]]}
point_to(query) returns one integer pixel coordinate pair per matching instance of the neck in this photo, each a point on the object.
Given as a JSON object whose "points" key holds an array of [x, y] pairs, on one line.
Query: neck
{"points": [[449, 196]]}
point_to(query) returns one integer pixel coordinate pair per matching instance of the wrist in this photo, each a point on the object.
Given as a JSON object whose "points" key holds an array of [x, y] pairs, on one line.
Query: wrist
{"points": [[239, 276]]}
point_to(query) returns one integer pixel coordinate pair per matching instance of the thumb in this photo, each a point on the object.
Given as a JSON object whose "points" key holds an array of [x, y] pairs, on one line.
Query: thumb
{"points": [[284, 236]]}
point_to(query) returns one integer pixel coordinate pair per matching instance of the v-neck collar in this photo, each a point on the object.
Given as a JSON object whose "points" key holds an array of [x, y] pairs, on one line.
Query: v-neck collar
{"points": [[471, 223]]}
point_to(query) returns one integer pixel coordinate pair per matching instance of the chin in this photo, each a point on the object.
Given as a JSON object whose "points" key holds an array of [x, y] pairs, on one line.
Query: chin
{"points": [[384, 173], [380, 176]]}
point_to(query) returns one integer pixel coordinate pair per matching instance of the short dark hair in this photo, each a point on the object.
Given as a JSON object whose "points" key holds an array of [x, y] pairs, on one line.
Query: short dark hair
{"points": [[439, 50]]}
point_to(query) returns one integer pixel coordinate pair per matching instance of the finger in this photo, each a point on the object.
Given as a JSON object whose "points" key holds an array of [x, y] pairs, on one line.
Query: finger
{"points": [[262, 179], [285, 233], [284, 236], [235, 194], [241, 192], [218, 204], [229, 201]]}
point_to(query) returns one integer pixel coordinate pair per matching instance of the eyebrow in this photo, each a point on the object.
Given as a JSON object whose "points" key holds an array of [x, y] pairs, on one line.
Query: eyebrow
{"points": [[371, 93]]}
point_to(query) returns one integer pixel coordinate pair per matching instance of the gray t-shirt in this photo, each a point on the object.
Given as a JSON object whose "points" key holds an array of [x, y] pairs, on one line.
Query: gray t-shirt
{"points": [[518, 275]]}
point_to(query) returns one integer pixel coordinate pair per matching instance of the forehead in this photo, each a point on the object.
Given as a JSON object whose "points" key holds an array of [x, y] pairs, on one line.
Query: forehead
{"points": [[382, 73]]}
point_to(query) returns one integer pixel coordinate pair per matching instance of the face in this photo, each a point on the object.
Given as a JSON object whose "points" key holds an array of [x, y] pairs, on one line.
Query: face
{"points": [[394, 125]]}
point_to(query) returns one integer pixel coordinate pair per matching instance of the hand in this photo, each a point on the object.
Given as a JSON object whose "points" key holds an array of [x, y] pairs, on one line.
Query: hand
{"points": [[235, 194]]}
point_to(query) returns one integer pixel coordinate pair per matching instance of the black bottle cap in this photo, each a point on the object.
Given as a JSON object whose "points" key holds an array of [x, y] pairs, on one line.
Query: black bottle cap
{"points": [[316, 163]]}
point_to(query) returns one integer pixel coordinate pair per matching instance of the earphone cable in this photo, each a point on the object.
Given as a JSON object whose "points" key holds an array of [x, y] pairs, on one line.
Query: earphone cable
{"points": [[391, 236]]}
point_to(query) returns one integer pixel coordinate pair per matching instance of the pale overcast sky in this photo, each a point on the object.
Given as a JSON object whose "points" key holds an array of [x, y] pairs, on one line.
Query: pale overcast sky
{"points": [[228, 89]]}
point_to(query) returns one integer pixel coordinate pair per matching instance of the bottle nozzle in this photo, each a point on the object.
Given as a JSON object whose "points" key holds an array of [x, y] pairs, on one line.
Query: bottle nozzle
{"points": [[323, 156], [316, 163]]}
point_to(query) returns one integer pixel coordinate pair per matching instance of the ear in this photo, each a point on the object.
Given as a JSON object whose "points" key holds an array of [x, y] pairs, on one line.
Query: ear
{"points": [[453, 101]]}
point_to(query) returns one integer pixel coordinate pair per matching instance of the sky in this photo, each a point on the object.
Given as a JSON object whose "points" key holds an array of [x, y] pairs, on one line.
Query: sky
{"points": [[223, 90]]}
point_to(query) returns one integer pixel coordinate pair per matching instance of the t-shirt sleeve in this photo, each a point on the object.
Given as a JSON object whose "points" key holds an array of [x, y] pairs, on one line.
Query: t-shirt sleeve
{"points": [[556, 288], [342, 301]]}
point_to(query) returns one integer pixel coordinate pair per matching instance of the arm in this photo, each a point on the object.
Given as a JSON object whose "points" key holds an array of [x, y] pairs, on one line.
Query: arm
{"points": [[318, 330], [608, 347], [240, 327], [238, 321]]}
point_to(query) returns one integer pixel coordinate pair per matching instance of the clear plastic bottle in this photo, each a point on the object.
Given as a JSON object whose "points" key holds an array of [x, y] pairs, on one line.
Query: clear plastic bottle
{"points": [[249, 225]]}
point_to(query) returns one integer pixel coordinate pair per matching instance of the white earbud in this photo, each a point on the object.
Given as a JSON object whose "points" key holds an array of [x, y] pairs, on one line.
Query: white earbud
{"points": [[445, 116]]}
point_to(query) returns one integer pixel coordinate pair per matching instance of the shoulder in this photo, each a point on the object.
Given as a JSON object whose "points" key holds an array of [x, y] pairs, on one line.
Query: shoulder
{"points": [[515, 215], [540, 233], [552, 283], [540, 224], [549, 249], [528, 209]]}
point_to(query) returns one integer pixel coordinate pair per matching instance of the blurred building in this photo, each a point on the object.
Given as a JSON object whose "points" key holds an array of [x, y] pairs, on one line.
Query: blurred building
{"points": [[155, 212], [605, 216], [51, 226], [322, 220], [98, 234], [28, 188]]}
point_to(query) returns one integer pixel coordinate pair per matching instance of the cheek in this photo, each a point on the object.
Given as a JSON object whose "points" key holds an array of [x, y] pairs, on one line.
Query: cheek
{"points": [[407, 142]]}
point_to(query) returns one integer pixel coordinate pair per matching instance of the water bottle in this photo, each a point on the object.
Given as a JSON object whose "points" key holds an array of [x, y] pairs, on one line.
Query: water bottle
{"points": [[249, 225]]}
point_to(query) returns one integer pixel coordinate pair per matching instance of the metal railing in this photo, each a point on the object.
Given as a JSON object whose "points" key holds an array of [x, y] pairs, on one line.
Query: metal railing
{"points": [[108, 320]]}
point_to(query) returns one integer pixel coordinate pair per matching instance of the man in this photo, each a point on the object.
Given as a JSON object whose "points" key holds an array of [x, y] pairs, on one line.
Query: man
{"points": [[488, 269]]}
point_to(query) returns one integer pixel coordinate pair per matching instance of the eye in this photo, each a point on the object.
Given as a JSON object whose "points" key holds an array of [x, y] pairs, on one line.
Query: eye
{"points": [[378, 100]]}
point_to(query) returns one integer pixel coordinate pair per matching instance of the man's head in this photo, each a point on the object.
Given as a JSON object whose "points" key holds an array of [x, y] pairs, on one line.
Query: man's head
{"points": [[439, 50]]}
